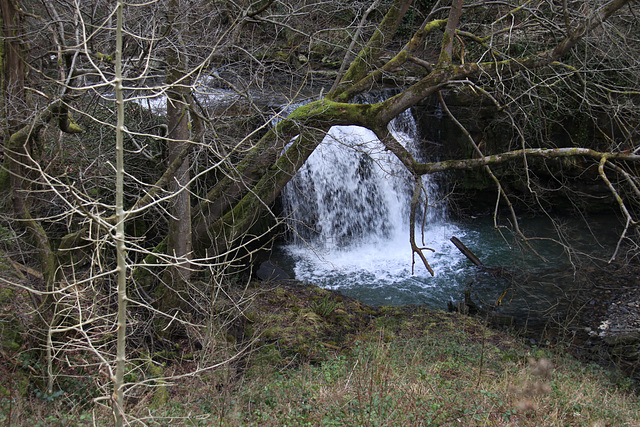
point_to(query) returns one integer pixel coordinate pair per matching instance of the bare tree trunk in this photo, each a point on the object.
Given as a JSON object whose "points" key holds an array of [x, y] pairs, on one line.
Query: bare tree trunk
{"points": [[118, 381], [12, 71], [179, 237]]}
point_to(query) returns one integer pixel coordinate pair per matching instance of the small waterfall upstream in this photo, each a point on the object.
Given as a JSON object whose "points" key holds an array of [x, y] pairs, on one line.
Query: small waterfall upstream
{"points": [[348, 215]]}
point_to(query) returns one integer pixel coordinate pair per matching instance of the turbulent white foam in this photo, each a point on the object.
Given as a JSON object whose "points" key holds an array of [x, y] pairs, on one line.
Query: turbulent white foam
{"points": [[376, 262]]}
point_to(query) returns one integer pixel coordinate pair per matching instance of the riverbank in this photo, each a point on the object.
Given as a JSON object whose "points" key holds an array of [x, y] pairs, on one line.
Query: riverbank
{"points": [[608, 327], [596, 318], [316, 357], [322, 358]]}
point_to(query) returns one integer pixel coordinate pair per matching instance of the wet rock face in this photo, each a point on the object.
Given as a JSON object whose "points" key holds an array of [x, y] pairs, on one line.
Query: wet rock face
{"points": [[475, 191], [621, 328], [623, 316]]}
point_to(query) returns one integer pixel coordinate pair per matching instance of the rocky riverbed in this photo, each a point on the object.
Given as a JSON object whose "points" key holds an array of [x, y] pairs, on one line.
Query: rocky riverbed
{"points": [[597, 319], [607, 327]]}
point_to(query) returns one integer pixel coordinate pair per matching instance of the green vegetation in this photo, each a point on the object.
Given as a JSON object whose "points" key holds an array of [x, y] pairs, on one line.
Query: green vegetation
{"points": [[319, 358]]}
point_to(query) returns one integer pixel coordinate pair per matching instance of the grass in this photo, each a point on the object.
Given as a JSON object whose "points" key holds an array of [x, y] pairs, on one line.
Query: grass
{"points": [[353, 365], [438, 379]]}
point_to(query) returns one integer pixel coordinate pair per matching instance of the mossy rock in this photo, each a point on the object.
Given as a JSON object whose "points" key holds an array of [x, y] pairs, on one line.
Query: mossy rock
{"points": [[160, 391], [11, 330], [626, 346], [19, 385], [11, 337]]}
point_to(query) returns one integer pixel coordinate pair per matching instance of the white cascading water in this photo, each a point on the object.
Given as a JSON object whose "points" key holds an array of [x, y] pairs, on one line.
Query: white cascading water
{"points": [[348, 211]]}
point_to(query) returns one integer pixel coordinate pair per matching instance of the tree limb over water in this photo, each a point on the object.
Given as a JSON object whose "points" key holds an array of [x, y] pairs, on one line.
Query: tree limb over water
{"points": [[545, 153]]}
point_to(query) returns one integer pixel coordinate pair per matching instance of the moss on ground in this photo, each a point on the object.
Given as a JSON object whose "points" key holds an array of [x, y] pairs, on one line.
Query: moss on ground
{"points": [[316, 357]]}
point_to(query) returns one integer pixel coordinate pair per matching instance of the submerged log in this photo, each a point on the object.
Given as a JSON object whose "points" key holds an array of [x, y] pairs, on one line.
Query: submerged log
{"points": [[468, 306], [496, 271], [466, 251]]}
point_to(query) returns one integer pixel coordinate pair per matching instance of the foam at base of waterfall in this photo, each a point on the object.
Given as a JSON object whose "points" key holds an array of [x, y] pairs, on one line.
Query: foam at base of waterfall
{"points": [[377, 262]]}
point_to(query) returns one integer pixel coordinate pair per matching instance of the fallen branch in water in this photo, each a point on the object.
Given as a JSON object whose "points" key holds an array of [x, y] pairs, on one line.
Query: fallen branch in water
{"points": [[466, 251]]}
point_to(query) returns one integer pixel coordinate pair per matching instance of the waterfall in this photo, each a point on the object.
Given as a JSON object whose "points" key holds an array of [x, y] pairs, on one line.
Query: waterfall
{"points": [[352, 191], [348, 212]]}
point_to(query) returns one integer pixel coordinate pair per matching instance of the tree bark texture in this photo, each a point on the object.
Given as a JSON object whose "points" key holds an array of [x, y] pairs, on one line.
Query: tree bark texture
{"points": [[13, 69], [179, 237]]}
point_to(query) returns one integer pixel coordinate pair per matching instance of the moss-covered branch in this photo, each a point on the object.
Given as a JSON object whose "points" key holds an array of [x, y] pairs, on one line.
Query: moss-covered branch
{"points": [[446, 49], [546, 153], [393, 64], [13, 179], [235, 223], [364, 61], [446, 72]]}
